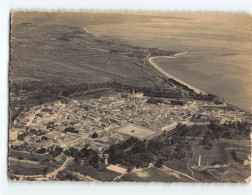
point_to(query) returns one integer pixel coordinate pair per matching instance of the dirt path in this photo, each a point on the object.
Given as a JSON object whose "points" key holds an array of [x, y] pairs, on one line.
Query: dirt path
{"points": [[27, 161], [48, 175], [180, 173], [62, 167]]}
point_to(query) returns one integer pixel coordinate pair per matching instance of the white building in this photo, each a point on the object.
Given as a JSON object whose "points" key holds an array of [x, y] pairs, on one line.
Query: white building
{"points": [[136, 95]]}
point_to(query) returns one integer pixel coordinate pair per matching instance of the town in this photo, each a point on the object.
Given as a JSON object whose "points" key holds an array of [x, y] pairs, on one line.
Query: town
{"points": [[84, 107], [107, 120], [110, 119]]}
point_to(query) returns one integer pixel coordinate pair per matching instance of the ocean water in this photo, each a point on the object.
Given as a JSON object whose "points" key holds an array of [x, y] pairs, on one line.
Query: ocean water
{"points": [[230, 83], [218, 46]]}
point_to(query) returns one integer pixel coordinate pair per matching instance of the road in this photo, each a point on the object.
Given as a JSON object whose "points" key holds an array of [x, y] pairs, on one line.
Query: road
{"points": [[169, 169], [62, 167], [48, 175]]}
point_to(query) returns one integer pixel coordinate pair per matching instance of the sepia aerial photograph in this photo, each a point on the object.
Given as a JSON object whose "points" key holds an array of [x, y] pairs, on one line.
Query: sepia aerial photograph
{"points": [[130, 97]]}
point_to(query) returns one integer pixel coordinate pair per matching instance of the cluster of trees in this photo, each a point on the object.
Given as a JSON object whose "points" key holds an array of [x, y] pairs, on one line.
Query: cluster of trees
{"points": [[152, 100], [40, 92], [41, 151], [230, 129], [148, 91], [215, 130], [66, 175], [184, 87], [207, 140], [44, 110], [177, 102], [22, 136], [54, 151], [136, 153], [30, 131], [71, 129], [170, 147], [85, 155], [192, 131], [207, 97], [43, 91], [130, 153]]}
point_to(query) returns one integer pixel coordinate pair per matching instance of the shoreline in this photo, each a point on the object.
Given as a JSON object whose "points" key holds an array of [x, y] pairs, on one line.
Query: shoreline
{"points": [[168, 75], [164, 73], [151, 59]]}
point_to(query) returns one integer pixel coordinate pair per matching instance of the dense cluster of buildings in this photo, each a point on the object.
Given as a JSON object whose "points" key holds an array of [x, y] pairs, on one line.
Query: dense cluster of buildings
{"points": [[112, 118]]}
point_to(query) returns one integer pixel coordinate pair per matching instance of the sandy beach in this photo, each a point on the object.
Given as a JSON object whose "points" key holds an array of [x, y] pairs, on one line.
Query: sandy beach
{"points": [[156, 66]]}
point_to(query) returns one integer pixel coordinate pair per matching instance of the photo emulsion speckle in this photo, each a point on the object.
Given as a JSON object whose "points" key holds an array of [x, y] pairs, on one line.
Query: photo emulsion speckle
{"points": [[130, 97]]}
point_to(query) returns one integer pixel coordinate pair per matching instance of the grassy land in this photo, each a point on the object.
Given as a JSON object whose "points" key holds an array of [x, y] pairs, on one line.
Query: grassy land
{"points": [[25, 168], [220, 153], [46, 56], [100, 174], [31, 164], [29, 156]]}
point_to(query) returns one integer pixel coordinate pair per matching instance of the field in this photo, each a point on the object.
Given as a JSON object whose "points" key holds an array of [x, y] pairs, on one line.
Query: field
{"points": [[220, 153], [51, 58], [24, 163], [136, 131], [45, 50], [28, 156], [19, 167], [100, 174]]}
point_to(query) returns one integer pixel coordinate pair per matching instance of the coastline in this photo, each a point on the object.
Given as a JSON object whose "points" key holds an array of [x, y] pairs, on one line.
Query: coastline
{"points": [[168, 75], [163, 73]]}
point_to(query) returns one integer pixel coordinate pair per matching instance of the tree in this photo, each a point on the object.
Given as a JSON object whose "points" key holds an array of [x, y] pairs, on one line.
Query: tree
{"points": [[207, 140], [130, 168], [56, 151], [71, 129], [94, 161], [66, 176], [94, 135], [20, 158], [65, 93], [41, 151], [45, 170], [159, 163], [22, 136], [71, 152]]}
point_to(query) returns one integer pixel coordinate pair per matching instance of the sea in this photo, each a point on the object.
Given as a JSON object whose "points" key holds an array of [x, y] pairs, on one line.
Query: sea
{"points": [[218, 46]]}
